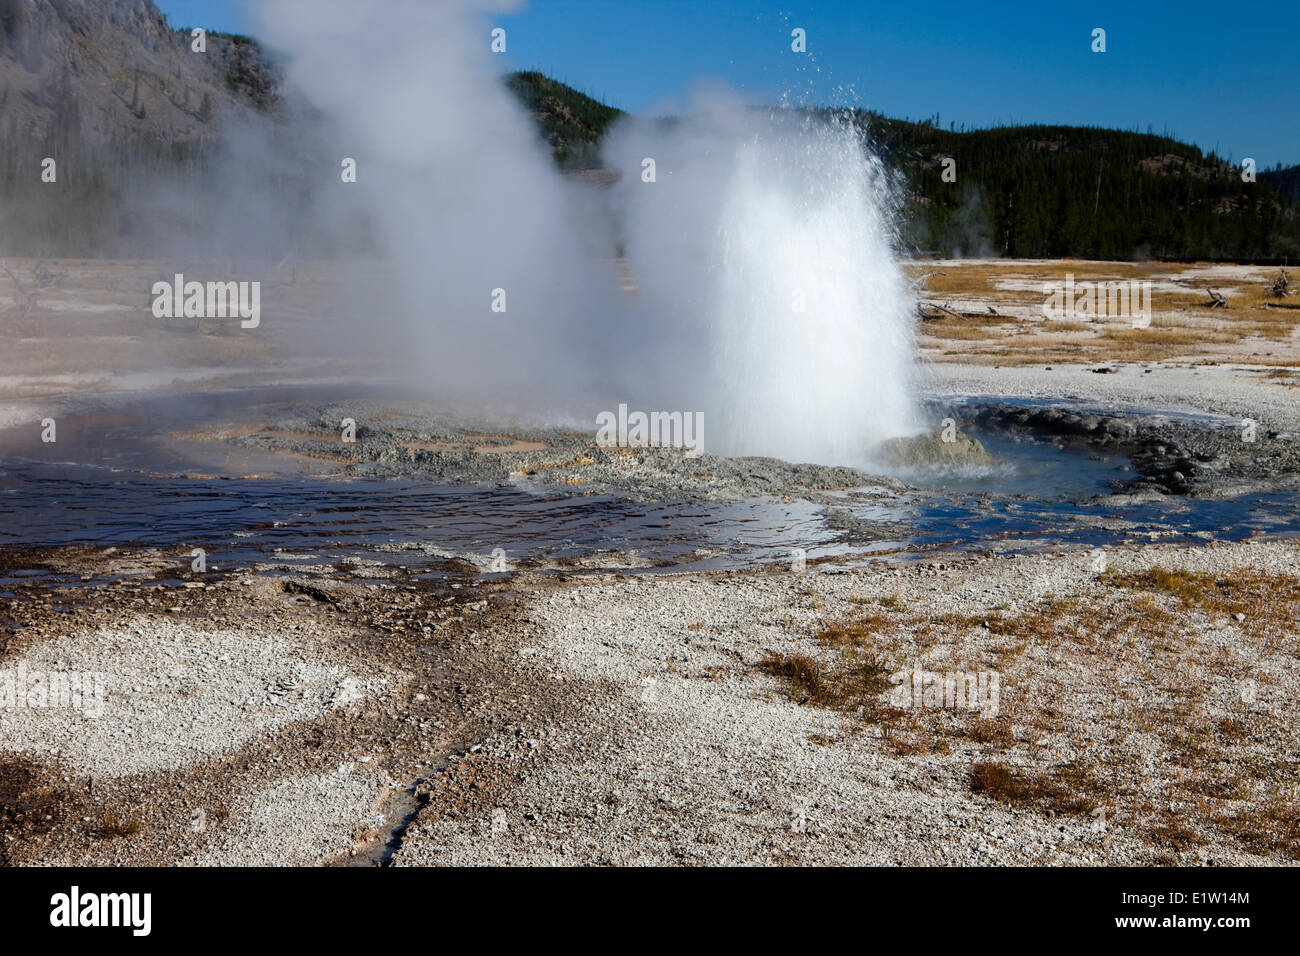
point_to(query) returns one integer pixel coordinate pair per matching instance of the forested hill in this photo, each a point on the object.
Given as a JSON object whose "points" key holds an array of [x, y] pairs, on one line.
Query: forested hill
{"points": [[1287, 181], [572, 123], [1054, 191], [1029, 191]]}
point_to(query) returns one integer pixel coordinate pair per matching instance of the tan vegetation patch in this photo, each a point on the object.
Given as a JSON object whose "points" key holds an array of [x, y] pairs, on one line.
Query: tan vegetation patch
{"points": [[1269, 602], [1024, 788], [1256, 327], [1141, 698]]}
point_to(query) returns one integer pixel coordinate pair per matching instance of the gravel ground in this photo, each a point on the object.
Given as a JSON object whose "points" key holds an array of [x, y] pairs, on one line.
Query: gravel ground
{"points": [[1234, 391], [264, 719], [690, 754], [609, 718], [170, 694], [298, 821]]}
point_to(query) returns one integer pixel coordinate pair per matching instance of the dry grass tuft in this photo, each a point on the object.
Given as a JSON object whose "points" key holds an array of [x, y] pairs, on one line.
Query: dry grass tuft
{"points": [[992, 731], [119, 825], [851, 682], [1270, 602], [1026, 788]]}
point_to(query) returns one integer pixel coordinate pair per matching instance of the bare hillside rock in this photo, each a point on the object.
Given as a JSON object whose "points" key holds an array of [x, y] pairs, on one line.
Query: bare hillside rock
{"points": [[101, 71]]}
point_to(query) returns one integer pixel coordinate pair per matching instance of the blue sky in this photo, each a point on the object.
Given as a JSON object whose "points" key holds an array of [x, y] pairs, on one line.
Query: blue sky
{"points": [[1222, 75]]}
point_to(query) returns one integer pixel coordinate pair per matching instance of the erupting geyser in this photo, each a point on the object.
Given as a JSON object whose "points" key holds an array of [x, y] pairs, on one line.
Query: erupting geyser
{"points": [[765, 253]]}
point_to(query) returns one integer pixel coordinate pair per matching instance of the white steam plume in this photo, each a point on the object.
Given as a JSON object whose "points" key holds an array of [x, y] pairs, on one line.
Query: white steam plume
{"points": [[465, 197], [752, 214]]}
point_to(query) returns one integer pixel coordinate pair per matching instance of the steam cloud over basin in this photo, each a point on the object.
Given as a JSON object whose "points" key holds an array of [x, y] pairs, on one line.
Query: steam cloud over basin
{"points": [[769, 296], [462, 195]]}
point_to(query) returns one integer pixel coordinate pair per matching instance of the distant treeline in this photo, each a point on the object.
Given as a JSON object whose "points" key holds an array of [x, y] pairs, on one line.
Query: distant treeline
{"points": [[1026, 191], [268, 197], [83, 211], [1068, 191], [1029, 191]]}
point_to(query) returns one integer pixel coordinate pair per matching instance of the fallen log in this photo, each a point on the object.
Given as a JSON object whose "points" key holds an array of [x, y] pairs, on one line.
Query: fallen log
{"points": [[922, 306]]}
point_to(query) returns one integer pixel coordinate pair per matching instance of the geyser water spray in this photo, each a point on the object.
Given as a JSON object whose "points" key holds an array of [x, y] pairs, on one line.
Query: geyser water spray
{"points": [[770, 287]]}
